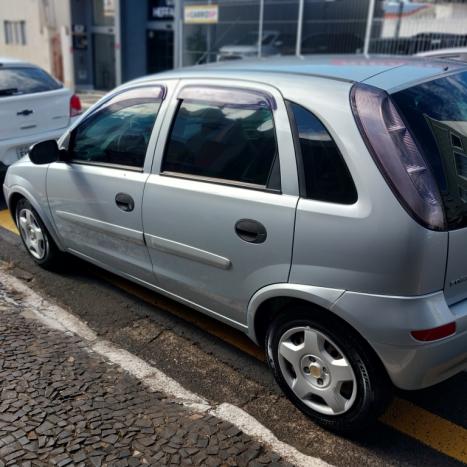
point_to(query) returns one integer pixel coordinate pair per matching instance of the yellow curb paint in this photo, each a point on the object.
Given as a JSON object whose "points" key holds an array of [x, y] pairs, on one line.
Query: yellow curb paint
{"points": [[7, 222], [224, 332], [430, 429]]}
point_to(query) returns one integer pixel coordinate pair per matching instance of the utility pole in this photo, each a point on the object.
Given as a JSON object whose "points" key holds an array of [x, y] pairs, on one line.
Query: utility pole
{"points": [[298, 45], [260, 28], [118, 44], [178, 33], [369, 25], [400, 10]]}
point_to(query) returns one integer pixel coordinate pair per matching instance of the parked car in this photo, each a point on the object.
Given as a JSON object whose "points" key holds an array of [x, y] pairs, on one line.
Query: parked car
{"points": [[274, 43], [418, 43], [318, 205], [33, 107], [332, 43], [455, 53]]}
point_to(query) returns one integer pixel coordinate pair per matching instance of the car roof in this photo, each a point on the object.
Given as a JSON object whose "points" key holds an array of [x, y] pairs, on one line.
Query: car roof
{"points": [[13, 61], [384, 71]]}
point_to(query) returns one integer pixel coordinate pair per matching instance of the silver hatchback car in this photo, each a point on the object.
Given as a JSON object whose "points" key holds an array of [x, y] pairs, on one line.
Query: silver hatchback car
{"points": [[318, 205]]}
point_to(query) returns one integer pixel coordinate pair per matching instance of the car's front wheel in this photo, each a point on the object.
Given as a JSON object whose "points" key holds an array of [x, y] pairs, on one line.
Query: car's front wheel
{"points": [[37, 240], [327, 371]]}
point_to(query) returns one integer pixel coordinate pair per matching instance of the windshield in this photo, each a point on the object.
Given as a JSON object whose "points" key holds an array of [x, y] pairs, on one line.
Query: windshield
{"points": [[436, 113], [25, 80]]}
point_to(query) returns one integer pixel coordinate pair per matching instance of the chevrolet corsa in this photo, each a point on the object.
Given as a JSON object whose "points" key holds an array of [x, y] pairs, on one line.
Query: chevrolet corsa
{"points": [[320, 206]]}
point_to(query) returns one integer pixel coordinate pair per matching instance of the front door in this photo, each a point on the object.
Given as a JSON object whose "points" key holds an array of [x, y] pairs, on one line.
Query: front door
{"points": [[218, 221], [96, 197]]}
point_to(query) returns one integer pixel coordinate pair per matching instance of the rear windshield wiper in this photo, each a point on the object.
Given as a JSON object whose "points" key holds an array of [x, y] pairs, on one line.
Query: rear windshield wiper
{"points": [[8, 91]]}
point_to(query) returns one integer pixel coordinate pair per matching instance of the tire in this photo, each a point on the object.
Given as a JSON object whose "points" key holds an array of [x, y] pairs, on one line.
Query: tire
{"points": [[36, 238], [342, 385]]}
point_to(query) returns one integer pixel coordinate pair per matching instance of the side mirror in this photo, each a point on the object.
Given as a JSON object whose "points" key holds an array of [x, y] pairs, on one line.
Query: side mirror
{"points": [[44, 152]]}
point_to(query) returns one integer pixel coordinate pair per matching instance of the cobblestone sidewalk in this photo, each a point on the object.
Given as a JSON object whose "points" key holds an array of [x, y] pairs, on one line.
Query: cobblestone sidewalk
{"points": [[62, 405]]}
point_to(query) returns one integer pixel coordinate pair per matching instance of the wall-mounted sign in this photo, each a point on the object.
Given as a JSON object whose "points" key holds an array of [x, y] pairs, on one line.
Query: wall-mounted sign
{"points": [[161, 10], [79, 37], [201, 14], [78, 29], [109, 8]]}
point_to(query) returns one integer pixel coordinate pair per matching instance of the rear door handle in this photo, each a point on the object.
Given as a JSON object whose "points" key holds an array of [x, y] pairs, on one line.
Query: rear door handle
{"points": [[251, 231], [125, 202]]}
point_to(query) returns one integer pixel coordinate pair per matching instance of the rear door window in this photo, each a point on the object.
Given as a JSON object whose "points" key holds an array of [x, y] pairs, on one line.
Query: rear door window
{"points": [[223, 135], [436, 114], [322, 169], [25, 80]]}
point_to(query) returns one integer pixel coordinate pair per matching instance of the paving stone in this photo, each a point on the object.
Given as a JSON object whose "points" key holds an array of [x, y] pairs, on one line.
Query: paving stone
{"points": [[62, 405]]}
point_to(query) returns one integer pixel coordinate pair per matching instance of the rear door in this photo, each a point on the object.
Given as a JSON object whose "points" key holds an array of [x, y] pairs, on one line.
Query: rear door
{"points": [[96, 197], [31, 102], [219, 206]]}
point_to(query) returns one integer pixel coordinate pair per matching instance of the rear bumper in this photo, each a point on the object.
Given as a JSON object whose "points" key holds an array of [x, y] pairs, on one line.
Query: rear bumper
{"points": [[9, 147], [386, 323]]}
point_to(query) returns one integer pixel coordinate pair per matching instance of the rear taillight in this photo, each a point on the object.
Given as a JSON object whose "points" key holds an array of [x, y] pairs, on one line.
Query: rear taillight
{"points": [[75, 106], [397, 155]]}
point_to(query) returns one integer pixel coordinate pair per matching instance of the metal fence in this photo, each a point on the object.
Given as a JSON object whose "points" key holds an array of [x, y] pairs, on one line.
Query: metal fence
{"points": [[411, 27], [322, 27]]}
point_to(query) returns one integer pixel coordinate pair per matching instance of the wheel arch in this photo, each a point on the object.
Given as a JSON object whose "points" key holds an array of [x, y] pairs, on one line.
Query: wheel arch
{"points": [[269, 302], [16, 194]]}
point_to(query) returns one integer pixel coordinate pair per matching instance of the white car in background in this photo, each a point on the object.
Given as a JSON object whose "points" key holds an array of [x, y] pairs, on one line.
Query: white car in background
{"points": [[273, 43], [454, 53], [34, 107]]}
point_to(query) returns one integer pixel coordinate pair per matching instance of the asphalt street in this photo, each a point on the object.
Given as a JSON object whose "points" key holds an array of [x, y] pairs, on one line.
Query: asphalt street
{"points": [[422, 428]]}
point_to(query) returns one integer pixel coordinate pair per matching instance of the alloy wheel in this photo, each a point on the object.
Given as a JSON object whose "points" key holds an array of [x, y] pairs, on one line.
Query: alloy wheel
{"points": [[32, 234], [317, 371]]}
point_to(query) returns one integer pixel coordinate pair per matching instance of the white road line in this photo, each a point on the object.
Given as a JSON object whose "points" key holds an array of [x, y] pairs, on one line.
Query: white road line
{"points": [[55, 317]]}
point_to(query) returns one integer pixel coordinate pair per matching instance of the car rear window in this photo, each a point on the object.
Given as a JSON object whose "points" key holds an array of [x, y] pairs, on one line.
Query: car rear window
{"points": [[25, 80], [436, 114]]}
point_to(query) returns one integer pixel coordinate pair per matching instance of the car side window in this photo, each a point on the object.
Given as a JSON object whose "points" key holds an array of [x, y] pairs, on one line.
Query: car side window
{"points": [[118, 132], [323, 170], [223, 135]]}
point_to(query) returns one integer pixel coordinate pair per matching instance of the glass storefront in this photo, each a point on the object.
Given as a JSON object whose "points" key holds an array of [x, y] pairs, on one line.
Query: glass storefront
{"points": [[328, 26]]}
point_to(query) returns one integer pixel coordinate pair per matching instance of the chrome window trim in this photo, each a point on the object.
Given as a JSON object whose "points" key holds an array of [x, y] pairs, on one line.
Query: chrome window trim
{"points": [[221, 181]]}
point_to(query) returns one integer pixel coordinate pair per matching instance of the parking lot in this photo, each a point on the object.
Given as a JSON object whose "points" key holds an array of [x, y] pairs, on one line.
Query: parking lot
{"points": [[220, 364]]}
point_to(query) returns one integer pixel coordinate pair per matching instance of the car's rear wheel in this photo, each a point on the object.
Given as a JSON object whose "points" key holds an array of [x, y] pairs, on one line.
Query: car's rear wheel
{"points": [[36, 239], [327, 371]]}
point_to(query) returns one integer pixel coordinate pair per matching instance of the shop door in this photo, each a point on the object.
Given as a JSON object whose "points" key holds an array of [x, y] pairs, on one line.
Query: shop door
{"points": [[160, 46], [104, 61]]}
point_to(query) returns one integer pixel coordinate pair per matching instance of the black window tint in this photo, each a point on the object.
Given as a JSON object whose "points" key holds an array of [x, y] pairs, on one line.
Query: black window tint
{"points": [[235, 144], [117, 134], [326, 176], [25, 81], [436, 113]]}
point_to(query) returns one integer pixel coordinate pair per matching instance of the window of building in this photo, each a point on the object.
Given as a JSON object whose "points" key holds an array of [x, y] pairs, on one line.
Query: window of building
{"points": [[227, 141], [323, 169], [8, 31], [22, 30], [15, 32], [117, 134]]}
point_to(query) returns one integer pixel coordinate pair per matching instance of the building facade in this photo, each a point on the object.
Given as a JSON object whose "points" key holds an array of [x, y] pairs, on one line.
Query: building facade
{"points": [[98, 44]]}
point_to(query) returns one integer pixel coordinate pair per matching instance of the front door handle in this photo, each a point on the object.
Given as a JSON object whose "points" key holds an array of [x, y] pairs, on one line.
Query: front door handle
{"points": [[125, 202], [251, 231]]}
